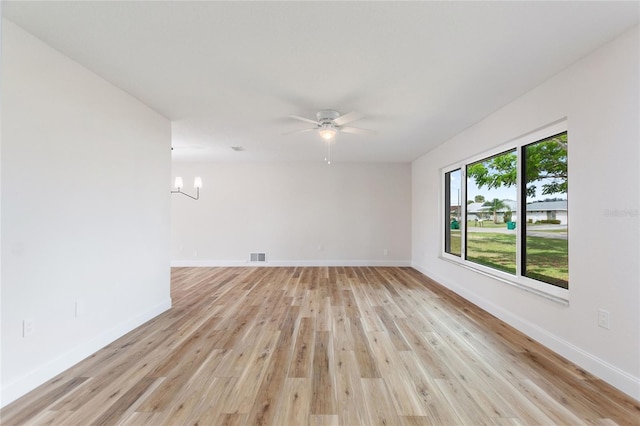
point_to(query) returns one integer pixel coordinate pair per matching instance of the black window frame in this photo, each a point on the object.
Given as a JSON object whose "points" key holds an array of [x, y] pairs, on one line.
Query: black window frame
{"points": [[548, 290]]}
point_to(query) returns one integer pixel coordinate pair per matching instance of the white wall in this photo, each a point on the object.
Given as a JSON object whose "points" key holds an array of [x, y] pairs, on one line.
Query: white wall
{"points": [[299, 213], [85, 212], [599, 95]]}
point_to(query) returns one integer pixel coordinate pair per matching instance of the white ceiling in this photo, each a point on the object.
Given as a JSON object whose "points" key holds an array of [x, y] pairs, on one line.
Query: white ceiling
{"points": [[229, 73]]}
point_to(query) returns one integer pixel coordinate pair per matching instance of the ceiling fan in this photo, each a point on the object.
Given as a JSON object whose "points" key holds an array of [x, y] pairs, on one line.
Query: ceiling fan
{"points": [[329, 122]]}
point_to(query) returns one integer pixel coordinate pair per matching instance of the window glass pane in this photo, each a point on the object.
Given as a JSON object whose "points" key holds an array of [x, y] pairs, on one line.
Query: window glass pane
{"points": [[491, 212], [545, 254], [453, 198]]}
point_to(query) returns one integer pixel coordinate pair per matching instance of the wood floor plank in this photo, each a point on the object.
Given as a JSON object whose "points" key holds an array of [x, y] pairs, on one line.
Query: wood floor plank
{"points": [[379, 403], [396, 378], [555, 410], [177, 370], [311, 304], [295, 403], [323, 398], [244, 393], [213, 399], [398, 340], [493, 405], [350, 305], [268, 396], [415, 421], [107, 394], [432, 399], [51, 417], [303, 351], [368, 317], [462, 402], [366, 363], [321, 346], [130, 397], [193, 398], [351, 405], [341, 327], [335, 294], [324, 317], [324, 420], [425, 352], [143, 419], [34, 407]]}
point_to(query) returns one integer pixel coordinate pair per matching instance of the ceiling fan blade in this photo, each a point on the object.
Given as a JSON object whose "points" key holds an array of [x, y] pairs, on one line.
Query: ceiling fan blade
{"points": [[348, 118], [308, 120], [357, 131], [299, 131]]}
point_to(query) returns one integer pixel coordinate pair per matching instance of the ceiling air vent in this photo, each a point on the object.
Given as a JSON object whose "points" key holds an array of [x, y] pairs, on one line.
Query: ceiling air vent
{"points": [[237, 148], [258, 257]]}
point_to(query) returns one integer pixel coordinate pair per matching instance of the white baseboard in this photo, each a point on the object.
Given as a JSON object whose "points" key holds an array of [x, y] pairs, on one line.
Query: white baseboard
{"points": [[208, 263], [611, 374], [231, 263], [47, 371]]}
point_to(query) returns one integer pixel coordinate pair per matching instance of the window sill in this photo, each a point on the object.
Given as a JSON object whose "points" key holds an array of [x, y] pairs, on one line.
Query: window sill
{"points": [[559, 295]]}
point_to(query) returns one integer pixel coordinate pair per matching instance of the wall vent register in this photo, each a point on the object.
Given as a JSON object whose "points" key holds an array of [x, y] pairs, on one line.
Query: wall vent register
{"points": [[258, 257]]}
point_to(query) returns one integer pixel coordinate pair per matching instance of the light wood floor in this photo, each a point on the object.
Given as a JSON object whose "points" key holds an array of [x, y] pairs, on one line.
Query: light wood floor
{"points": [[335, 346]]}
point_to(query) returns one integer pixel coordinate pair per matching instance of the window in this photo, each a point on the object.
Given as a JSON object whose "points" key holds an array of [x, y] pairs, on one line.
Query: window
{"points": [[545, 252], [491, 188], [453, 210], [513, 202]]}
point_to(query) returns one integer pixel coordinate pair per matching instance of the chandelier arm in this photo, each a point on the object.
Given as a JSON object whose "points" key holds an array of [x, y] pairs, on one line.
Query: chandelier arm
{"points": [[197, 197]]}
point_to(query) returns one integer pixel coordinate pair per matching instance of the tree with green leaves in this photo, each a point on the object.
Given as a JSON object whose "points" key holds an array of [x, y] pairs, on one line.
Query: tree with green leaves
{"points": [[494, 206], [544, 160], [479, 199]]}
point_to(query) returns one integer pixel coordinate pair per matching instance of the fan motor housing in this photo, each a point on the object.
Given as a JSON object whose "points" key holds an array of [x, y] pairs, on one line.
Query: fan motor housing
{"points": [[327, 115]]}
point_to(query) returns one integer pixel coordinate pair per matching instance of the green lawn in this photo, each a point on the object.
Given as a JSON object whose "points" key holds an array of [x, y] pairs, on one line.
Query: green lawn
{"points": [[455, 242], [493, 250], [485, 224], [547, 258]]}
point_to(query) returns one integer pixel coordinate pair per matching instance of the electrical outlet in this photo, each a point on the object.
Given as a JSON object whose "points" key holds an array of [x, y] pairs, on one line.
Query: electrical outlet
{"points": [[28, 328], [385, 252], [603, 319]]}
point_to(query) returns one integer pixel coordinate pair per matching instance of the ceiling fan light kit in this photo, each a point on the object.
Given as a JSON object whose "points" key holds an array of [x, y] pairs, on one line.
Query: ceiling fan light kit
{"points": [[329, 122], [327, 132], [327, 128]]}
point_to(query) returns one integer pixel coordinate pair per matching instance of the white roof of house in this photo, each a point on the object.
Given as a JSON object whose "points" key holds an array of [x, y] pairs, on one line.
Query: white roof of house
{"points": [[480, 207], [473, 208], [547, 206]]}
